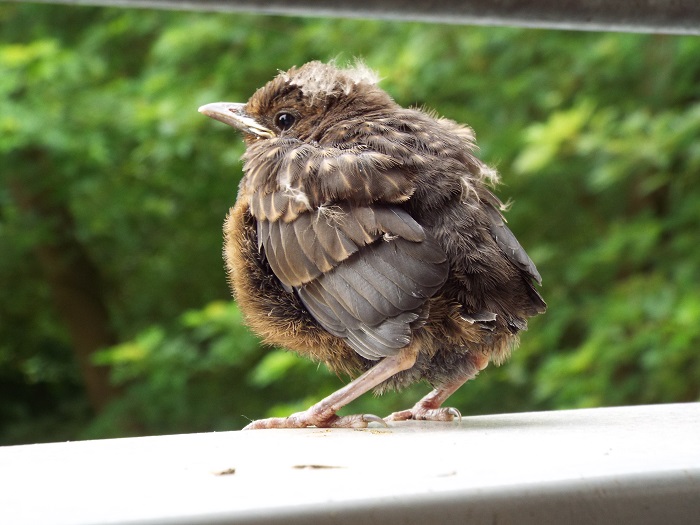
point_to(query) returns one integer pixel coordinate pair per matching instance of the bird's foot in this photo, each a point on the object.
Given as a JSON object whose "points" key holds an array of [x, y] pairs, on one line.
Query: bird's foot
{"points": [[323, 414], [310, 418], [423, 412]]}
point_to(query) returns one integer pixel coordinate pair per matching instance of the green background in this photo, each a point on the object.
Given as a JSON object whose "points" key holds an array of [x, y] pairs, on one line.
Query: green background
{"points": [[113, 190]]}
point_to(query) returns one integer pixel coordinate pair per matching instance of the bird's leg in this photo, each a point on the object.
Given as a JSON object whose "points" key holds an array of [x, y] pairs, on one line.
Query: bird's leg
{"points": [[430, 408], [323, 413]]}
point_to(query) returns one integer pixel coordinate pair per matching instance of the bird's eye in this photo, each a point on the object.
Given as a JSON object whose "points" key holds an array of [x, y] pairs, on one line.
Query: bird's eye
{"points": [[284, 120]]}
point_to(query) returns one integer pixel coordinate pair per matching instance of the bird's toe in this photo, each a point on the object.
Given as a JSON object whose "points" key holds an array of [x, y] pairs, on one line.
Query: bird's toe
{"points": [[403, 415], [311, 418], [422, 413], [358, 421]]}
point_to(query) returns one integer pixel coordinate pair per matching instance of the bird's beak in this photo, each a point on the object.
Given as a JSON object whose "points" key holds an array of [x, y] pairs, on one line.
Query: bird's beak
{"points": [[233, 114]]}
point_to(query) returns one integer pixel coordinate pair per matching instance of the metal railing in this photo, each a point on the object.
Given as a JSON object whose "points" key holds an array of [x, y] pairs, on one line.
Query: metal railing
{"points": [[644, 16]]}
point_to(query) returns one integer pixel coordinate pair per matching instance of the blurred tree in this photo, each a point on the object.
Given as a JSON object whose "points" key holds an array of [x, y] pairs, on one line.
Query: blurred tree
{"points": [[71, 276], [105, 159]]}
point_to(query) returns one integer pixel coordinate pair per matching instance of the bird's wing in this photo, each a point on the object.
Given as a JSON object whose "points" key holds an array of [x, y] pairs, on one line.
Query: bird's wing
{"points": [[364, 273], [506, 240]]}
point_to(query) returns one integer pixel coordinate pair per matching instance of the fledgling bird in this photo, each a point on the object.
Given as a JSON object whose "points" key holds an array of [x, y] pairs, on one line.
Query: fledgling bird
{"points": [[365, 236]]}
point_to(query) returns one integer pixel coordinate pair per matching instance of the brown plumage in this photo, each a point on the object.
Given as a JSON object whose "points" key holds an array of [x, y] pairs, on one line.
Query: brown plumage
{"points": [[365, 236]]}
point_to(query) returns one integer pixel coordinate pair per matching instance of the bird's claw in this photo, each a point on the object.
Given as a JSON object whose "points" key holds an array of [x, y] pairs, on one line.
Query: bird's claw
{"points": [[371, 418], [456, 414]]}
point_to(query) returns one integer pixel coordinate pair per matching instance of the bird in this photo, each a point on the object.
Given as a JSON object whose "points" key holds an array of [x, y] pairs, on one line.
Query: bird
{"points": [[367, 236]]}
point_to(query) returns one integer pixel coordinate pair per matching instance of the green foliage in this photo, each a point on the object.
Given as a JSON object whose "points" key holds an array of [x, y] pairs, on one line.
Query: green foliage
{"points": [[185, 378], [596, 136], [208, 372], [636, 267]]}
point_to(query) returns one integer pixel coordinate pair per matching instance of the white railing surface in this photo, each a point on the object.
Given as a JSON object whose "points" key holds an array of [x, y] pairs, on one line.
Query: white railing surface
{"points": [[627, 465]]}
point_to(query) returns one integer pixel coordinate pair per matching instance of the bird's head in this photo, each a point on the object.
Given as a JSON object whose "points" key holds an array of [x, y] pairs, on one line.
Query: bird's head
{"points": [[304, 102]]}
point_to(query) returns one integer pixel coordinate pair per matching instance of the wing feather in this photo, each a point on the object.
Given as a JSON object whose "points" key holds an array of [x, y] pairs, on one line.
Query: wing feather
{"points": [[317, 303], [506, 241], [274, 252], [398, 222], [375, 296], [333, 240], [308, 242], [332, 227]]}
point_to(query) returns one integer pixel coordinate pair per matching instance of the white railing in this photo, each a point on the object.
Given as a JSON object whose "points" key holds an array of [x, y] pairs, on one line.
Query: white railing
{"points": [[628, 465]]}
